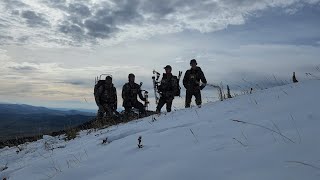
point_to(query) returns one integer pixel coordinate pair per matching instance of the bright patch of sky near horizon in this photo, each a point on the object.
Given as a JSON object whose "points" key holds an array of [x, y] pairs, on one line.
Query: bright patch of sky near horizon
{"points": [[50, 51]]}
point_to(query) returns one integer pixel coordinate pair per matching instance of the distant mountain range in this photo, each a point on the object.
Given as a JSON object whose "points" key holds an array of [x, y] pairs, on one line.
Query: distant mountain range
{"points": [[19, 120]]}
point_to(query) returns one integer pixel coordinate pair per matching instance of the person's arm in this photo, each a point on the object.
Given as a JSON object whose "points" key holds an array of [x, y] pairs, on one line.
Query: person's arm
{"points": [[185, 79], [160, 87], [124, 92], [203, 79], [116, 99], [175, 84], [98, 95]]}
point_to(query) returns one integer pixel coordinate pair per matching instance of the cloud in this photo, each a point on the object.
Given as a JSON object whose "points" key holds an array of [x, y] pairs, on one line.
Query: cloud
{"points": [[13, 4], [34, 19], [23, 68], [107, 22], [53, 81], [79, 9], [256, 64], [5, 39]]}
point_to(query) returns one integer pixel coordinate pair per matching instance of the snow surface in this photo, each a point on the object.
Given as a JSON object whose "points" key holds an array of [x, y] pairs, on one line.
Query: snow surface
{"points": [[282, 142]]}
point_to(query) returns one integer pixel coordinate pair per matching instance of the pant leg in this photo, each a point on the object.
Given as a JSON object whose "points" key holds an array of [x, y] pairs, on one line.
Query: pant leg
{"points": [[140, 106], [188, 98], [100, 112], [161, 103], [169, 104], [197, 95], [127, 109], [127, 104], [108, 109]]}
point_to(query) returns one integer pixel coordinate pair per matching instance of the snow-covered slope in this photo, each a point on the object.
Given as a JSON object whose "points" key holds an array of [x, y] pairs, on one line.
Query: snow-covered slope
{"points": [[280, 140]]}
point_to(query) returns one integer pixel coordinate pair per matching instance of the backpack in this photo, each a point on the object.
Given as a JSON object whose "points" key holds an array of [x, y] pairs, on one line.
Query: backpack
{"points": [[96, 87], [99, 82], [174, 81]]}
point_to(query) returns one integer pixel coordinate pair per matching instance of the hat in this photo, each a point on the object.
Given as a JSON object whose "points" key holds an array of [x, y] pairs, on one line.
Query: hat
{"points": [[168, 67], [109, 77], [131, 75], [193, 61]]}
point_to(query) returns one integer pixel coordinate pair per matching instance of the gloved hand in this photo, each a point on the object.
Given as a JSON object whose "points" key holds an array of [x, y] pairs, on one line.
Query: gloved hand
{"points": [[202, 86]]}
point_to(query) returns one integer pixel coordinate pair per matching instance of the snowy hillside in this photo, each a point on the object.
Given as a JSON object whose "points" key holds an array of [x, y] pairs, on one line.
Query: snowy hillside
{"points": [[278, 141]]}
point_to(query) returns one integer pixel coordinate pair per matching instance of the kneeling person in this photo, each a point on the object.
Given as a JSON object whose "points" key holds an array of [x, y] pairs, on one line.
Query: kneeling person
{"points": [[106, 98], [130, 93]]}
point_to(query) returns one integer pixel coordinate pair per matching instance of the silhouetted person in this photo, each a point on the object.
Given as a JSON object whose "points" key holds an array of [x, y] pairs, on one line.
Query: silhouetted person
{"points": [[167, 89], [106, 98], [191, 81], [130, 92]]}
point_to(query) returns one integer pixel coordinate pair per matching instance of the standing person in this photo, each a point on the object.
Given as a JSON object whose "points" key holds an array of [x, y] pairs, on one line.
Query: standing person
{"points": [[167, 89], [191, 81], [130, 92], [106, 98]]}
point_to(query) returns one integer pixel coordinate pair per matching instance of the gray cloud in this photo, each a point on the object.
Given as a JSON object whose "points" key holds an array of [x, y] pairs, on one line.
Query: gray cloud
{"points": [[73, 29], [13, 4], [60, 4], [23, 68], [4, 39], [159, 8], [79, 9], [78, 82], [98, 29], [119, 20], [34, 19], [23, 39], [82, 23], [20, 90]]}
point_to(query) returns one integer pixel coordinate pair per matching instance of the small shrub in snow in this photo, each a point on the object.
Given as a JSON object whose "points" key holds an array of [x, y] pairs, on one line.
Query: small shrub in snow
{"points": [[294, 79], [47, 146], [71, 134], [105, 141], [97, 124], [140, 142], [4, 167], [20, 148], [228, 92], [89, 131]]}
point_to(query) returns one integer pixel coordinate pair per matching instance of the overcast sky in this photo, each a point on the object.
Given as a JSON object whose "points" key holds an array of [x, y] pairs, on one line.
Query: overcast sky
{"points": [[51, 50]]}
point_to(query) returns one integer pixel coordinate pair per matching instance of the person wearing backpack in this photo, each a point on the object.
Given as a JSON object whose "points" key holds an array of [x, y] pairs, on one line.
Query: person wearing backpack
{"points": [[191, 81], [106, 98], [167, 89], [130, 93]]}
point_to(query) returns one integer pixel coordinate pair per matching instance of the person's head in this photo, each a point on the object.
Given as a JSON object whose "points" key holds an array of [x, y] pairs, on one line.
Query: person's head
{"points": [[108, 80], [193, 63], [131, 77], [168, 69]]}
